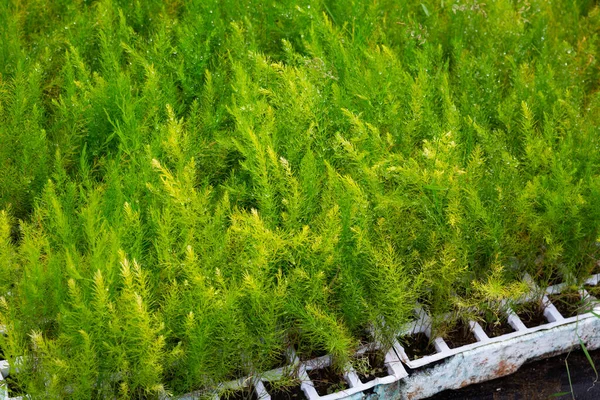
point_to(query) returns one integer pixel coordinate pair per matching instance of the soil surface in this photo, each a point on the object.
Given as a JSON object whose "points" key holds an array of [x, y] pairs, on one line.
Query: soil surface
{"points": [[539, 380], [568, 304], [532, 314], [327, 381], [245, 394], [417, 345], [285, 393], [496, 328], [460, 336], [374, 363]]}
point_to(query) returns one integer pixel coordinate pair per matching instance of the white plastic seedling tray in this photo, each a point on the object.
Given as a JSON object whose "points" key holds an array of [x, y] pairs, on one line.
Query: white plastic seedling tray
{"points": [[491, 358], [551, 314], [299, 370], [487, 359], [355, 386], [4, 372]]}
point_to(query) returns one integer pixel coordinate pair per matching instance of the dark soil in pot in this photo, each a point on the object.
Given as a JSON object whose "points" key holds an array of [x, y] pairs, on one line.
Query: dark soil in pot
{"points": [[371, 365], [496, 327], [567, 303], [532, 314], [327, 381], [460, 335], [285, 392], [417, 345], [241, 394]]}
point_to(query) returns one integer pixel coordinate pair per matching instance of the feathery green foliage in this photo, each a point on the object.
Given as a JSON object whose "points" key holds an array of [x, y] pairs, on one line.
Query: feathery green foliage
{"points": [[189, 188]]}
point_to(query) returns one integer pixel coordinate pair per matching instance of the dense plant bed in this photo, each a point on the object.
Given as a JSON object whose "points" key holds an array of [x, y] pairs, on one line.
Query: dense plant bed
{"points": [[372, 372], [498, 355], [190, 191]]}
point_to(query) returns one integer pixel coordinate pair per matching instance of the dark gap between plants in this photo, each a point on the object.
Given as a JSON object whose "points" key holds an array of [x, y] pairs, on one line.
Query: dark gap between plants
{"points": [[280, 361], [532, 314], [13, 386], [285, 392], [567, 303], [417, 345], [496, 327], [371, 365], [306, 352], [549, 278], [310, 355], [242, 394], [364, 337], [593, 290], [460, 335], [424, 300], [235, 374], [327, 381]]}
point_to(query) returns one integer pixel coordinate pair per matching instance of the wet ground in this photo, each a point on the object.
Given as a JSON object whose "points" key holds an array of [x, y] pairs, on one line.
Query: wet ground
{"points": [[546, 379]]}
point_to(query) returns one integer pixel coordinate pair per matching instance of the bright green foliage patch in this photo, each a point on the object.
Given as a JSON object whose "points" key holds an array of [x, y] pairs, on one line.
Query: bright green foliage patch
{"points": [[190, 187]]}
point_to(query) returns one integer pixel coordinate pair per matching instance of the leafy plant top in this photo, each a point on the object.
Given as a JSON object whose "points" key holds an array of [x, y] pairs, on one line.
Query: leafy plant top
{"points": [[188, 189]]}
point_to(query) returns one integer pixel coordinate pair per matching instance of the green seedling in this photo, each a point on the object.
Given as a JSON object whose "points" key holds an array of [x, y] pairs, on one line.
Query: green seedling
{"points": [[190, 189]]}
